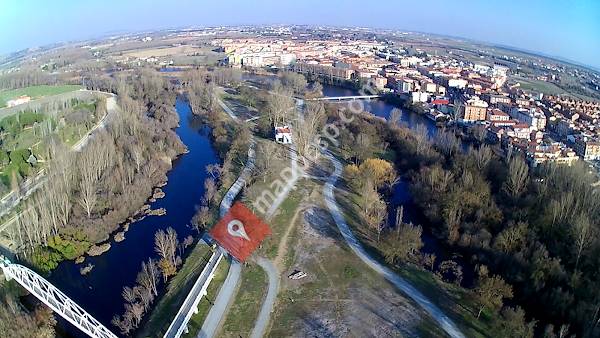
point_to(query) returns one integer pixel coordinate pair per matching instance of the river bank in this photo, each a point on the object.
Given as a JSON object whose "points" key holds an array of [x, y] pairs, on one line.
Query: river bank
{"points": [[99, 292]]}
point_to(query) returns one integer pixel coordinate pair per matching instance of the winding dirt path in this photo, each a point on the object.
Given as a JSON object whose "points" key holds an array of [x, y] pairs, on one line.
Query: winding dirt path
{"points": [[403, 285]]}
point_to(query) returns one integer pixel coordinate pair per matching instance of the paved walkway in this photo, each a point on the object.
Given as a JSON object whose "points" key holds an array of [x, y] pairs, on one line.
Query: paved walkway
{"points": [[262, 321], [445, 323], [224, 298], [225, 295]]}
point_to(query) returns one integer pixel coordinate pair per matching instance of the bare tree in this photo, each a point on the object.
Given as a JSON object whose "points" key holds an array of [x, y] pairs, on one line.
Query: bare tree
{"points": [[148, 276], [482, 156], [202, 218], [280, 105], [263, 165], [296, 82], [446, 142], [210, 190], [479, 133], [421, 138], [136, 150], [128, 294], [165, 244], [144, 295], [395, 117], [363, 147], [583, 232], [399, 219], [87, 184], [457, 111], [517, 177], [307, 129], [91, 162]]}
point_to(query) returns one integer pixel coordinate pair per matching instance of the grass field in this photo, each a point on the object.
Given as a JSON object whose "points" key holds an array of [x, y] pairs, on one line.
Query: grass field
{"points": [[35, 92], [540, 86], [244, 311], [177, 290]]}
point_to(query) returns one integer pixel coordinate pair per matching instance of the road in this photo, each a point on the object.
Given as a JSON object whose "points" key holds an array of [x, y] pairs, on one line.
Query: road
{"points": [[11, 199], [297, 172], [328, 191], [267, 307], [187, 309], [225, 295]]}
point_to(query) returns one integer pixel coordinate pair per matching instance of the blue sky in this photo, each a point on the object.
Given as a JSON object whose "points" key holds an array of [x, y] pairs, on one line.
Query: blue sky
{"points": [[568, 29]]}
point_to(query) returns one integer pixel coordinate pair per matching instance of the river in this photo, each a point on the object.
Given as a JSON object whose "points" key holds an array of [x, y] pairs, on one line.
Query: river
{"points": [[401, 195], [99, 292]]}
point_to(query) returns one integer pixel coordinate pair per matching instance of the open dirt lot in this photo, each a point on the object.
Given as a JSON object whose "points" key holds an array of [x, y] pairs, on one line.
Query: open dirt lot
{"points": [[340, 297], [159, 52]]}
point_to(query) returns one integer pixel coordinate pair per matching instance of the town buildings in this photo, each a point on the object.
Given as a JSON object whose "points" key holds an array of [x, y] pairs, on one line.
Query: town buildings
{"points": [[475, 110], [545, 128]]}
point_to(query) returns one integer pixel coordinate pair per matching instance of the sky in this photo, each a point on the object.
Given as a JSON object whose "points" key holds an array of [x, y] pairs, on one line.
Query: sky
{"points": [[568, 29]]}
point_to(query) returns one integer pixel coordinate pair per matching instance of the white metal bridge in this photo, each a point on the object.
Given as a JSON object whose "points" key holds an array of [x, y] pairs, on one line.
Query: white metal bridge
{"points": [[343, 98], [55, 299]]}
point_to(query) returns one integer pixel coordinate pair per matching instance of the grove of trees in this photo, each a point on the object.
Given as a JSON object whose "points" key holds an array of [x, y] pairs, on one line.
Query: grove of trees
{"points": [[89, 193], [532, 233]]}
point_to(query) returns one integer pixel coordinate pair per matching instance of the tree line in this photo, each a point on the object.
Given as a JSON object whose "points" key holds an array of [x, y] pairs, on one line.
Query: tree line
{"points": [[90, 192], [530, 236]]}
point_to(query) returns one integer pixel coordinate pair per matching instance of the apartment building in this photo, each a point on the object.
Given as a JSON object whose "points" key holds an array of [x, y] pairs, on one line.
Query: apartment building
{"points": [[475, 110]]}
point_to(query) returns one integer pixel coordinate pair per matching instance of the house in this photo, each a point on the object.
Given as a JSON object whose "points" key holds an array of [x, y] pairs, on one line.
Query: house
{"points": [[379, 81], [553, 152], [522, 131], [283, 135], [497, 115]]}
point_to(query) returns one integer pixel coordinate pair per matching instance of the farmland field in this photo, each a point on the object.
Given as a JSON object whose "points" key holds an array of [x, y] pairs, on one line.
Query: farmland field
{"points": [[35, 92]]}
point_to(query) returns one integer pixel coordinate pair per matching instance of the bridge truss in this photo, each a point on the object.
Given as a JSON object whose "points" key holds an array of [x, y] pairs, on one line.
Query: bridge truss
{"points": [[55, 299]]}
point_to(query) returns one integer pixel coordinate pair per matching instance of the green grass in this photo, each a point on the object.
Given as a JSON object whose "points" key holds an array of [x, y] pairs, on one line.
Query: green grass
{"points": [[280, 222], [244, 311], [539, 86], [195, 323], [35, 92], [177, 290]]}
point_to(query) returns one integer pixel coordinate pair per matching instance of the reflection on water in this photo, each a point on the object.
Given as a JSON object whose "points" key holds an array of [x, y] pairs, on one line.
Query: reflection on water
{"points": [[99, 292]]}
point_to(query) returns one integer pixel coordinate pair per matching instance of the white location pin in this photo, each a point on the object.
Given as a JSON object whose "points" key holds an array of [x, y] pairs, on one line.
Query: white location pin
{"points": [[236, 229]]}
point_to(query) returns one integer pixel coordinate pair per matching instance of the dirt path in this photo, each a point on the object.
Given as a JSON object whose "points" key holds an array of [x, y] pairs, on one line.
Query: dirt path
{"points": [[283, 243], [328, 191]]}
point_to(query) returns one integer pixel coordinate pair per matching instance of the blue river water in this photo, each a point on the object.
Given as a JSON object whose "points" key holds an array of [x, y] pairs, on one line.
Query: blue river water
{"points": [[99, 292]]}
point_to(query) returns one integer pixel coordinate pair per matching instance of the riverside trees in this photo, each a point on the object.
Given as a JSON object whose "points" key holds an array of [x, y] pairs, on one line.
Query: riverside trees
{"points": [[88, 193], [534, 229]]}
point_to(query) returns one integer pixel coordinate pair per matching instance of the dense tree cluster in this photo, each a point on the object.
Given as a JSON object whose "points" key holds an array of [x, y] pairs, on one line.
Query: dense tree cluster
{"points": [[536, 230], [90, 192], [532, 233], [28, 77]]}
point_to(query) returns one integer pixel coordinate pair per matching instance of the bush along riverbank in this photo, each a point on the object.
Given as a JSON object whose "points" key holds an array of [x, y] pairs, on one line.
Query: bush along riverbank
{"points": [[231, 140], [91, 193]]}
